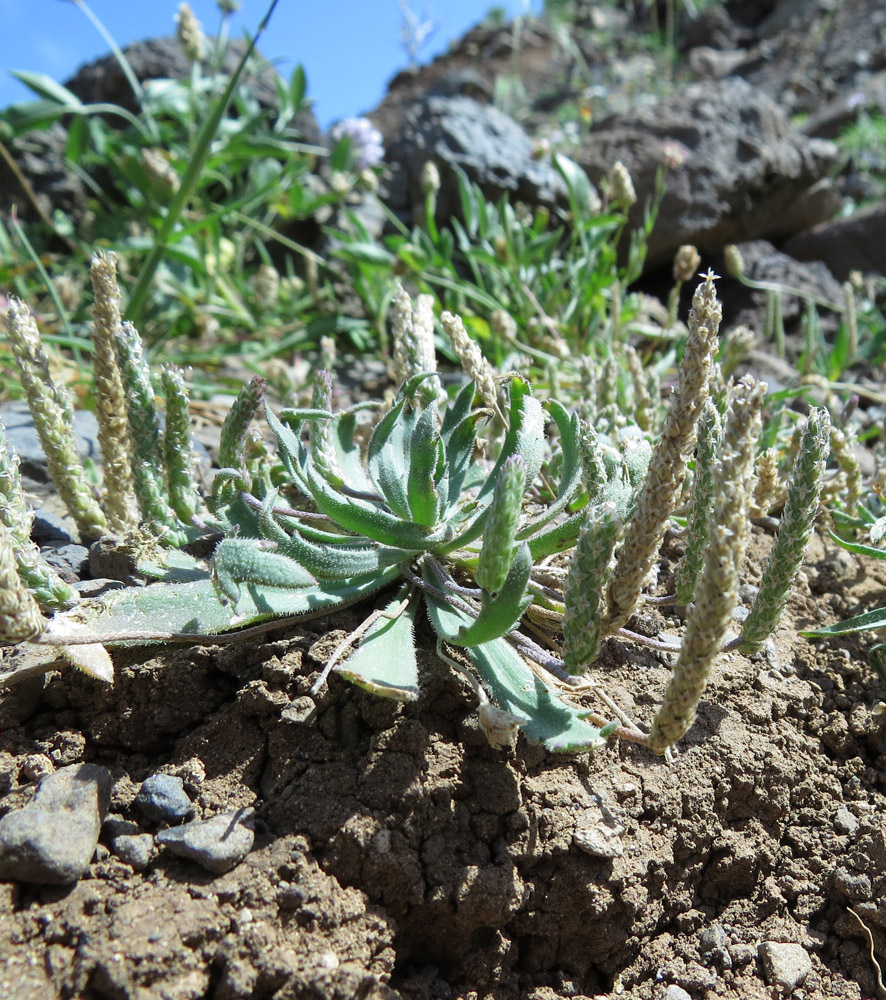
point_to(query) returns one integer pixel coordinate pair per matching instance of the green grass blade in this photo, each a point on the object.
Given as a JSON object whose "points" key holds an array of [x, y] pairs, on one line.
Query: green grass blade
{"points": [[191, 177]]}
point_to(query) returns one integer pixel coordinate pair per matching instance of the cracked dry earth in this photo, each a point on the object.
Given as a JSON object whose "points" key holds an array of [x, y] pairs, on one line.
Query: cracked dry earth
{"points": [[398, 855]]}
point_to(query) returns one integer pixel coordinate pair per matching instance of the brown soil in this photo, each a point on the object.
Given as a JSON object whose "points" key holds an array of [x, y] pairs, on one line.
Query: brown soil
{"points": [[398, 855]]}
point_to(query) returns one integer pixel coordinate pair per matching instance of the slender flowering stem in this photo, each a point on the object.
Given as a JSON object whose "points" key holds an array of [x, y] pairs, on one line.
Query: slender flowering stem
{"points": [[667, 468], [110, 398], [53, 416], [797, 522], [709, 616]]}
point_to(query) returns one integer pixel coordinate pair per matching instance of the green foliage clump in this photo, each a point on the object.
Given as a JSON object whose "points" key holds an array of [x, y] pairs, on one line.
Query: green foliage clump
{"points": [[469, 502]]}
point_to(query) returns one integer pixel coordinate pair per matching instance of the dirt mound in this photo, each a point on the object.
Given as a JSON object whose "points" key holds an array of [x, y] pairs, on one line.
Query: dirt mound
{"points": [[397, 854]]}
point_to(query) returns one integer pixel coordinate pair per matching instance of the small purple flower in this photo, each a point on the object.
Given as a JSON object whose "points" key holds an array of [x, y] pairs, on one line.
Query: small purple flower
{"points": [[365, 140]]}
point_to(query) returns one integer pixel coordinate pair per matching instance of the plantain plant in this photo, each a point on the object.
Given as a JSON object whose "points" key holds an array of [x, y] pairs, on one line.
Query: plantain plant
{"points": [[508, 520]]}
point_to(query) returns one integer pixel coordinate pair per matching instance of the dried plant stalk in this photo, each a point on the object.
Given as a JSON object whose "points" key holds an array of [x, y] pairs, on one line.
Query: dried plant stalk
{"points": [[767, 484], [667, 468], [412, 327], [709, 617], [710, 434], [20, 618], [53, 415], [473, 363], [586, 585], [797, 521], [110, 398]]}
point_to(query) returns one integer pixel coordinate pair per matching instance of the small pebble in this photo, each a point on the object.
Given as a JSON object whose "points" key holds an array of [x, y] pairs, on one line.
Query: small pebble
{"points": [[52, 839], [845, 821], [22, 436], [95, 588], [51, 527], [712, 939], [218, 844], [136, 850], [162, 798], [116, 826], [675, 993], [854, 885], [785, 965], [68, 559]]}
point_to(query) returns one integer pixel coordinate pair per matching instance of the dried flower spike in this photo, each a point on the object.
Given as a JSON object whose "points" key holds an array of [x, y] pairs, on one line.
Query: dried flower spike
{"points": [[412, 327], [797, 521], [667, 468], [53, 419], [190, 34], [621, 185], [20, 617], [110, 398], [709, 616], [475, 366], [686, 263]]}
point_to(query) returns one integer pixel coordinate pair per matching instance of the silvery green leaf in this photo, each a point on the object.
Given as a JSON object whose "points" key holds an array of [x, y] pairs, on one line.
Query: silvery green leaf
{"points": [[347, 452], [387, 458], [366, 518], [571, 469], [237, 562], [425, 465], [500, 612], [459, 446], [457, 410], [545, 717], [162, 612], [502, 522], [525, 435], [384, 663], [556, 537]]}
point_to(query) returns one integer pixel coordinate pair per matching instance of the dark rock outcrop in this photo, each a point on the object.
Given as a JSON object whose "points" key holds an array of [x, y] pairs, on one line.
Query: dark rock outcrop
{"points": [[744, 166]]}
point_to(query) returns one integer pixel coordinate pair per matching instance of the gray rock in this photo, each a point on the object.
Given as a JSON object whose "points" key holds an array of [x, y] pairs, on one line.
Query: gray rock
{"points": [[39, 156], [68, 559], [599, 834], [745, 165], [675, 993], [52, 839], [22, 435], [117, 826], [136, 850], [762, 262], [50, 527], [162, 798], [854, 885], [95, 588], [712, 939], [218, 844], [845, 821], [103, 81], [490, 147], [854, 243], [784, 965]]}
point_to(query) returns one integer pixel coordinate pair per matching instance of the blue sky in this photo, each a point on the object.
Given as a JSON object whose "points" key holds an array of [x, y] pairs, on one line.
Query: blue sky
{"points": [[350, 49]]}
